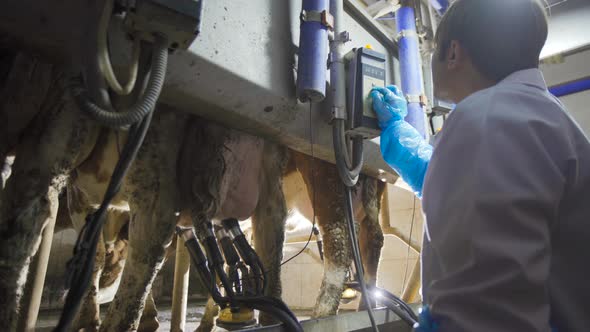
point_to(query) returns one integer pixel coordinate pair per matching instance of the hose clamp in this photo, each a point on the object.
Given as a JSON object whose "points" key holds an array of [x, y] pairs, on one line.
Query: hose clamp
{"points": [[343, 37], [406, 34], [417, 99], [324, 17], [339, 113]]}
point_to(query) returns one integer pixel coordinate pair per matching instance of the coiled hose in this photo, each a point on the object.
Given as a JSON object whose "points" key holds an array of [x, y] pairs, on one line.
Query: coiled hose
{"points": [[146, 102], [348, 168]]}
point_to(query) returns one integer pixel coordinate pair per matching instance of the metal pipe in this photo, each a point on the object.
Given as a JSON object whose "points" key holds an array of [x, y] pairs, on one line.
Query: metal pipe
{"points": [[180, 290], [313, 52], [31, 300], [337, 69], [349, 167], [410, 66]]}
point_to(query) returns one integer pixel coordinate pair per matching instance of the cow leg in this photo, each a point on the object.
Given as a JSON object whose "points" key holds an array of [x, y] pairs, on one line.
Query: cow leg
{"points": [[269, 218], [149, 318], [328, 190], [22, 95], [88, 317], [151, 188], [208, 320], [370, 233], [54, 142]]}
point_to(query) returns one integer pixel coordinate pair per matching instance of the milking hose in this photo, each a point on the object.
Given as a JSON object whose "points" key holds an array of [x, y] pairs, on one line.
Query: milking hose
{"points": [[348, 169], [356, 254]]}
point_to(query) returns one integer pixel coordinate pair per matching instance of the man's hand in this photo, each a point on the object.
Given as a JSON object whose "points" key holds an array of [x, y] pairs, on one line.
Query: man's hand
{"points": [[402, 147], [389, 104]]}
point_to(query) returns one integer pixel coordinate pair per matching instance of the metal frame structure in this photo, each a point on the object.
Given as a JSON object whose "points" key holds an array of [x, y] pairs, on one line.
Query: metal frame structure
{"points": [[352, 322], [239, 72]]}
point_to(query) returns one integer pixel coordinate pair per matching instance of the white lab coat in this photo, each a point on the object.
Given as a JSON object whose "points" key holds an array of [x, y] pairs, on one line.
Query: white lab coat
{"points": [[507, 205]]}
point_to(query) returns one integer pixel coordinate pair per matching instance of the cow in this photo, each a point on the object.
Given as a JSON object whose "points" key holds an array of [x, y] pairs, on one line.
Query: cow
{"points": [[186, 165]]}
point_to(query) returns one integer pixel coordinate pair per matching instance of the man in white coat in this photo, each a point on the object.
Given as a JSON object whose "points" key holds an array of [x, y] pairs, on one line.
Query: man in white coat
{"points": [[506, 186]]}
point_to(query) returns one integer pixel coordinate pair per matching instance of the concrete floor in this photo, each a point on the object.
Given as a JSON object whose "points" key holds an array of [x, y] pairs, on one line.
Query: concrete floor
{"points": [[48, 319]]}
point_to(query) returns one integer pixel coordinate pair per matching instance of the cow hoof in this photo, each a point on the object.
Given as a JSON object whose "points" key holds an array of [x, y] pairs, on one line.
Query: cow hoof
{"points": [[149, 324]]}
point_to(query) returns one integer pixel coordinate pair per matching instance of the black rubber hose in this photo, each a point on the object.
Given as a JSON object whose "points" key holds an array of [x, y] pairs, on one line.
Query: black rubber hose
{"points": [[229, 252], [348, 173], [278, 303], [248, 254], [319, 242], [245, 251], [399, 302], [146, 102], [356, 255], [234, 278], [403, 314], [390, 298], [290, 324], [246, 282], [200, 263], [81, 265], [216, 262]]}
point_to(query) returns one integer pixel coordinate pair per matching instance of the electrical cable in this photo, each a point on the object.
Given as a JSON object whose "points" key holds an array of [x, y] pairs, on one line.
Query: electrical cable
{"points": [[357, 256], [312, 167], [104, 60], [409, 245], [143, 106]]}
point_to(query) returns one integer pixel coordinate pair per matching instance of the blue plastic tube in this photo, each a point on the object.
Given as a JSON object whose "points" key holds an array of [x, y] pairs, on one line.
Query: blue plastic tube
{"points": [[411, 71], [571, 87], [313, 55]]}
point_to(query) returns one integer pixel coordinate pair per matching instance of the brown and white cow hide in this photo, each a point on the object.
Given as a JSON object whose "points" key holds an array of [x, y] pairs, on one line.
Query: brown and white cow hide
{"points": [[185, 164]]}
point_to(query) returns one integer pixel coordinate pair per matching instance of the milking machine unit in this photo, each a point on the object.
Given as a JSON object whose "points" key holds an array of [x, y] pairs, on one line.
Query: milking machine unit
{"points": [[352, 77], [245, 282]]}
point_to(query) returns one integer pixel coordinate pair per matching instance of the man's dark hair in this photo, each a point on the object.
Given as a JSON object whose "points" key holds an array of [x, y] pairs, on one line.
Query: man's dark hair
{"points": [[501, 36]]}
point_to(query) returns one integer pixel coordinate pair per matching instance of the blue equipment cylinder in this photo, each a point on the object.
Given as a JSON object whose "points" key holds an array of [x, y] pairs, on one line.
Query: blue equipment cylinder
{"points": [[313, 55], [571, 87], [410, 67]]}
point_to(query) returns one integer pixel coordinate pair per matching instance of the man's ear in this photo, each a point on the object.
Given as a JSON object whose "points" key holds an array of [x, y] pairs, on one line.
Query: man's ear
{"points": [[454, 55]]}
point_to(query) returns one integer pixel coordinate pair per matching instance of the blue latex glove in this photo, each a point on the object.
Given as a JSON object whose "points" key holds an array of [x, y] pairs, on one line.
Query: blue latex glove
{"points": [[389, 104], [402, 146], [425, 321]]}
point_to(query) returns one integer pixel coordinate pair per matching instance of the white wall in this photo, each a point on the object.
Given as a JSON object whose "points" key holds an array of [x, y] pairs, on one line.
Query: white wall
{"points": [[569, 24], [574, 67]]}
